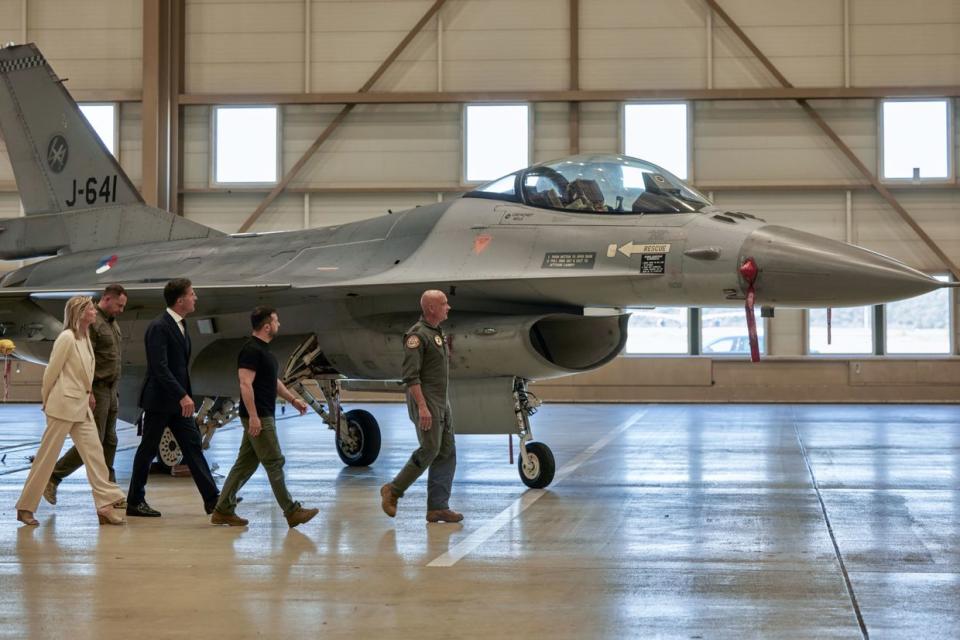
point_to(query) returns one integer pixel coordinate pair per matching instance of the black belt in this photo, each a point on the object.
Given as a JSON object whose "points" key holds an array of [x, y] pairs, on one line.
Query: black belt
{"points": [[104, 383]]}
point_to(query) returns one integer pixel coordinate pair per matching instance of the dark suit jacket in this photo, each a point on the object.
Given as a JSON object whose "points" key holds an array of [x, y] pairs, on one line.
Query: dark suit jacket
{"points": [[168, 366]]}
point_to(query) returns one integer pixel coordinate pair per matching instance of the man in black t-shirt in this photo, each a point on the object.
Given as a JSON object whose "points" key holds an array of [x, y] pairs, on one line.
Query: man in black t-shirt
{"points": [[259, 386]]}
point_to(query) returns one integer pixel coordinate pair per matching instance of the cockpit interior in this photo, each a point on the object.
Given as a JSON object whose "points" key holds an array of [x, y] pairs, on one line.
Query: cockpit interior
{"points": [[599, 184]]}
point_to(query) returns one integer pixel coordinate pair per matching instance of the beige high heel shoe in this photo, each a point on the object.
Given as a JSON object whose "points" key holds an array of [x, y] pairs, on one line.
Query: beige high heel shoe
{"points": [[109, 515], [26, 517]]}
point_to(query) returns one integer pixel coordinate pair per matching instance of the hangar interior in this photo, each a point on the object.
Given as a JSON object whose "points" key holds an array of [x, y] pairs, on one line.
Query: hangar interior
{"points": [[764, 156], [369, 100]]}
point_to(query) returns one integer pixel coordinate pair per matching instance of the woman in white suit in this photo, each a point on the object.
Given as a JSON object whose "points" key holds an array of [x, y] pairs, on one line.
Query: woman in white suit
{"points": [[67, 401]]}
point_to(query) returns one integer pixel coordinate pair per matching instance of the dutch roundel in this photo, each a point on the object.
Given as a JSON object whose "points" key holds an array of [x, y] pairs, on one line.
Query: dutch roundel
{"points": [[106, 264]]}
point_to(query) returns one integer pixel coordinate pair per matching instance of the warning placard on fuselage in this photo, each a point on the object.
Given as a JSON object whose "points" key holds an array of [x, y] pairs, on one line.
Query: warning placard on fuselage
{"points": [[570, 260], [653, 263]]}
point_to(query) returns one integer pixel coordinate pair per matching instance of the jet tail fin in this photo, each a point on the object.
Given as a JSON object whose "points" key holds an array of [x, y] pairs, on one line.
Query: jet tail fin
{"points": [[59, 161], [74, 193]]}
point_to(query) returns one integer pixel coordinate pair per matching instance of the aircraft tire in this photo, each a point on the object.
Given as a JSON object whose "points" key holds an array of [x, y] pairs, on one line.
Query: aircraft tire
{"points": [[543, 469], [365, 426]]}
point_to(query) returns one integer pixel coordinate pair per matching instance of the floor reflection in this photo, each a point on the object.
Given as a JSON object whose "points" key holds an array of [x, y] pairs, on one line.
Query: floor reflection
{"points": [[696, 521]]}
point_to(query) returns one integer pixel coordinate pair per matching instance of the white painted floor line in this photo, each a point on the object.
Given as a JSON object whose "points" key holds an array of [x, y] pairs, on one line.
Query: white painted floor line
{"points": [[521, 504]]}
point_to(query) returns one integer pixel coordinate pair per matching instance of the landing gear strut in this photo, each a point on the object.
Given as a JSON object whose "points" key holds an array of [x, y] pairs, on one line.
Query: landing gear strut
{"points": [[357, 433], [535, 463]]}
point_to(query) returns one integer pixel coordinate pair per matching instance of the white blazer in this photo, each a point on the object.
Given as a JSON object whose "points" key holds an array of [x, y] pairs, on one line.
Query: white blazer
{"points": [[68, 378]]}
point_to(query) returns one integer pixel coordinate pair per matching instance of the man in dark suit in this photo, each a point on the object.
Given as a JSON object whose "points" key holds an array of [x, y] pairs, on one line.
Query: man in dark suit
{"points": [[167, 401]]}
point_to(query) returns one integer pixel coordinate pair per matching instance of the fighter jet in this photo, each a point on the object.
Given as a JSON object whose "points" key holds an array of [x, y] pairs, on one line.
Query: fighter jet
{"points": [[522, 260]]}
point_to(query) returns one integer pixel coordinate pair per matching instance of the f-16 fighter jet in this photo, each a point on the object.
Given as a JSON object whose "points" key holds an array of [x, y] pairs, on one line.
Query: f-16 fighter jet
{"points": [[520, 259]]}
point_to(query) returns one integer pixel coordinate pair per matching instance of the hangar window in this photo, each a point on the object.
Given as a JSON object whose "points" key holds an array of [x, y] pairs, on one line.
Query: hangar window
{"points": [[660, 331], [851, 329], [102, 116], [496, 140], [921, 324], [915, 139], [658, 132], [246, 145], [723, 332]]}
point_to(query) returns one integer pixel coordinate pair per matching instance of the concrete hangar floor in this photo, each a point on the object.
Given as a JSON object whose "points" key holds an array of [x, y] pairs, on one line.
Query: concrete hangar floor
{"points": [[664, 521]]}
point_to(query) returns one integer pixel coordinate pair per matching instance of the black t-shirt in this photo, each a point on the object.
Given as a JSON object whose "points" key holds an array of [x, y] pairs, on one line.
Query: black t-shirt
{"points": [[256, 356]]}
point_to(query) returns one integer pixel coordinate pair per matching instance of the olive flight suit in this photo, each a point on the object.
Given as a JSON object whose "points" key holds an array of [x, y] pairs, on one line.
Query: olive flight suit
{"points": [[426, 362]]}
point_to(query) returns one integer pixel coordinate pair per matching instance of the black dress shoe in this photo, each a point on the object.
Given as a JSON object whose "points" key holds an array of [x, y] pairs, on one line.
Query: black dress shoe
{"points": [[142, 510]]}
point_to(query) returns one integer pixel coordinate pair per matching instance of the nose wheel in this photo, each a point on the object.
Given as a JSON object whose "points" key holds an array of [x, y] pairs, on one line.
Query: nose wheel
{"points": [[537, 470], [535, 462]]}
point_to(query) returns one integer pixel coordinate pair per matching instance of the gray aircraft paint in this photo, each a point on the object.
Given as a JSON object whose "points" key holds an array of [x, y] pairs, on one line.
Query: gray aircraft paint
{"points": [[522, 275]]}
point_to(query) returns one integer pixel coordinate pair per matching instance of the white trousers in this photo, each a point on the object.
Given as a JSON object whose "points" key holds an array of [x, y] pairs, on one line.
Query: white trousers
{"points": [[87, 441]]}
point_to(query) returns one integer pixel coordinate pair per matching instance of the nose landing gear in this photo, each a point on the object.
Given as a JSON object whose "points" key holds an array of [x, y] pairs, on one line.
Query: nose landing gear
{"points": [[535, 463]]}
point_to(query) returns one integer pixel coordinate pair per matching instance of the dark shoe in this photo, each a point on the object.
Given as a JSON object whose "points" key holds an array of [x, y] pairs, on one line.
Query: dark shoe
{"points": [[142, 510], [231, 519], [301, 516], [50, 492], [444, 515], [388, 500]]}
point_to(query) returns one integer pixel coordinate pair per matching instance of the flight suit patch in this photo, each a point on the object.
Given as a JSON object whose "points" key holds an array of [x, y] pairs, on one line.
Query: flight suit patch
{"points": [[413, 342], [438, 340]]}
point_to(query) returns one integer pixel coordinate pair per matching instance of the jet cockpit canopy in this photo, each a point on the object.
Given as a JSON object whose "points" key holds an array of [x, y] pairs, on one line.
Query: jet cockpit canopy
{"points": [[598, 184]]}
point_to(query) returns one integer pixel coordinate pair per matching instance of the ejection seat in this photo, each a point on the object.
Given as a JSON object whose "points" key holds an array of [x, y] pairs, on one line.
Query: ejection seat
{"points": [[585, 195]]}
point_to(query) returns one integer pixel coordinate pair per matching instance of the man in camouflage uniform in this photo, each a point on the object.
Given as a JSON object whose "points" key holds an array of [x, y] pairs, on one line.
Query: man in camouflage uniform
{"points": [[105, 338], [425, 375]]}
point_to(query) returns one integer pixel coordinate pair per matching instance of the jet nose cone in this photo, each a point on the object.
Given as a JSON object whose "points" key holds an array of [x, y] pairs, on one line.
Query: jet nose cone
{"points": [[802, 269]]}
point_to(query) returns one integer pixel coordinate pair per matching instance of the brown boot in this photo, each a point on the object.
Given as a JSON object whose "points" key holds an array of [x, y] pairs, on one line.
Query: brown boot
{"points": [[301, 516], [444, 515], [231, 519], [388, 500], [50, 492]]}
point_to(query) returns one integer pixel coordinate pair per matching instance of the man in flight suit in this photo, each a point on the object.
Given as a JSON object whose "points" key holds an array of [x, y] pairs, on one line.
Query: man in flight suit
{"points": [[425, 375]]}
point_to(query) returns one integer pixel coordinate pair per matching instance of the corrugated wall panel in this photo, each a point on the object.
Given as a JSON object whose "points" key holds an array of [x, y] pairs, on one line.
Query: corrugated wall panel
{"points": [[659, 44], [227, 212], [804, 40], [131, 141], [776, 142], [108, 54], [821, 213], [501, 44], [244, 46], [11, 16], [551, 131], [351, 39], [377, 144], [879, 228], [196, 146], [900, 43], [333, 209], [599, 127]]}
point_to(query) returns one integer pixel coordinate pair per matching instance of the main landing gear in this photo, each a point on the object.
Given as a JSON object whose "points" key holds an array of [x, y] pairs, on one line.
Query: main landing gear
{"points": [[356, 432], [535, 463]]}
